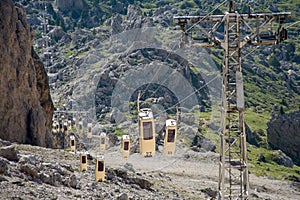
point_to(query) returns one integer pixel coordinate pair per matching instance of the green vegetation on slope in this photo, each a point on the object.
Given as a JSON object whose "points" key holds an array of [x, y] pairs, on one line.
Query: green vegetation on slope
{"points": [[268, 167]]}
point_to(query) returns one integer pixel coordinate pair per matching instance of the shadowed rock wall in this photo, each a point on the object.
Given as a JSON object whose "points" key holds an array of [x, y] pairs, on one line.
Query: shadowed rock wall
{"points": [[26, 107]]}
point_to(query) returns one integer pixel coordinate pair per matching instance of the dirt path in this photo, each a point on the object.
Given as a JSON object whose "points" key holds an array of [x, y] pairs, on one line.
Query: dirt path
{"points": [[194, 171]]}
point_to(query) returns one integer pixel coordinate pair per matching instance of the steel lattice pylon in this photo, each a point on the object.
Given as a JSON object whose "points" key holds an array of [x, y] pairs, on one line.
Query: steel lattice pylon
{"points": [[233, 164], [233, 167]]}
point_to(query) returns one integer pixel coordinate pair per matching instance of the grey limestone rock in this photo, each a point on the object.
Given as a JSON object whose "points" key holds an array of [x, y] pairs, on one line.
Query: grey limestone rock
{"points": [[9, 152], [283, 133], [3, 165]]}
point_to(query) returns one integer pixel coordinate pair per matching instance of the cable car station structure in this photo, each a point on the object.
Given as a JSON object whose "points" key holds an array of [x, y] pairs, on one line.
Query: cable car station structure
{"points": [[239, 30]]}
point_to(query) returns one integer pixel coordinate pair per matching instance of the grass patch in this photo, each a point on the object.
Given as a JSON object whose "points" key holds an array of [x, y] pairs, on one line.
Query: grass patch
{"points": [[269, 167], [70, 53], [119, 132], [257, 120]]}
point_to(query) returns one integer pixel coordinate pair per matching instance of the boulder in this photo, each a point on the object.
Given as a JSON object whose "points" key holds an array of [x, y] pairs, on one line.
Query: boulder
{"points": [[204, 143], [252, 136], [282, 159], [57, 34], [261, 158], [113, 139], [117, 116], [143, 183], [129, 167], [9, 152], [4, 143], [134, 12], [29, 170], [283, 133], [28, 159], [123, 196], [273, 8], [187, 130], [72, 181], [3, 179], [91, 59], [121, 173], [3, 165], [211, 193], [116, 24], [45, 178], [188, 119], [56, 179]]}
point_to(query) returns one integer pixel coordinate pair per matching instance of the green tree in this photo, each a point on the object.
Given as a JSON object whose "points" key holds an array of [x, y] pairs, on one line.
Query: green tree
{"points": [[290, 51], [281, 111], [113, 2], [273, 61]]}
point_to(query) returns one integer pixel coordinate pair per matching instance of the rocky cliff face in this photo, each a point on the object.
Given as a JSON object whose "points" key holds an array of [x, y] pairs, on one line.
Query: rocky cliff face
{"points": [[26, 107], [283, 133]]}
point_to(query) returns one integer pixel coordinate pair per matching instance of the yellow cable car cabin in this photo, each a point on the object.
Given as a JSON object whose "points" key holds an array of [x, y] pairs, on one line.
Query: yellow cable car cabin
{"points": [[72, 143], [55, 126], [100, 168], [65, 128], [147, 132], [74, 122], [69, 125], [170, 137], [83, 162], [89, 133], [125, 146], [102, 141]]}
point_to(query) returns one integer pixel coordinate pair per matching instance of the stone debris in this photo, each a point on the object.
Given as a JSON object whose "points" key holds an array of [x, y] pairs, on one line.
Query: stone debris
{"points": [[54, 174]]}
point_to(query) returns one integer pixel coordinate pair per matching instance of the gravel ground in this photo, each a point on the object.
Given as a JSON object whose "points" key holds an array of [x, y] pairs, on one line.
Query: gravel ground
{"points": [[187, 175]]}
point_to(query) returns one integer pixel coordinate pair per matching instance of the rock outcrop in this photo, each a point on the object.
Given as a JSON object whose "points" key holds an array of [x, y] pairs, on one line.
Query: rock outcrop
{"points": [[283, 133], [67, 5], [26, 107], [252, 136]]}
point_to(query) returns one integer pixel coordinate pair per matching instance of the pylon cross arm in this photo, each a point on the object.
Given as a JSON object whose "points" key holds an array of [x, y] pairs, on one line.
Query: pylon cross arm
{"points": [[263, 20]]}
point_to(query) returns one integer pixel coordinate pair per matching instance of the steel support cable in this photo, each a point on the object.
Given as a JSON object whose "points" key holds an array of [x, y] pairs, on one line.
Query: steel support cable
{"points": [[183, 100], [156, 71], [160, 67], [257, 47], [172, 48], [175, 44], [170, 54], [173, 71], [198, 90], [294, 23], [205, 16]]}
